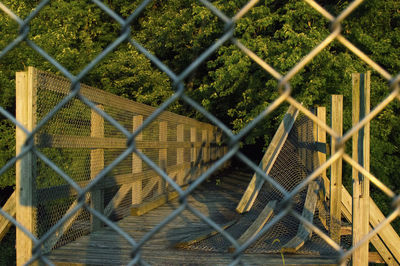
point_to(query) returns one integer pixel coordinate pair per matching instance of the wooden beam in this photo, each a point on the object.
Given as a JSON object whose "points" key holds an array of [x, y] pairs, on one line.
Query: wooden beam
{"points": [[268, 160], [374, 257], [303, 232], [257, 225], [53, 239], [162, 155], [112, 100], [154, 203], [387, 236], [96, 165], [137, 164], [361, 106], [336, 171], [321, 142], [117, 199], [9, 207], [26, 210], [199, 236], [180, 131], [79, 142]]}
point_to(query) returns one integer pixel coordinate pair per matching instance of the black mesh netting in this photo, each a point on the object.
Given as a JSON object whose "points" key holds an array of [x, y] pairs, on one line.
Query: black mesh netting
{"points": [[297, 159]]}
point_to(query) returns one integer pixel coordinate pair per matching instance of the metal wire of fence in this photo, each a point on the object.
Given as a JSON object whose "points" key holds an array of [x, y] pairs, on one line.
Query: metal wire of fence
{"points": [[178, 81]]}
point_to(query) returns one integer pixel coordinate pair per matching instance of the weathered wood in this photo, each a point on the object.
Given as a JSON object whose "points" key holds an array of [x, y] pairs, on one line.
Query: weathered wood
{"points": [[162, 156], [62, 85], [336, 171], [389, 253], [79, 142], [199, 236], [25, 185], [374, 257], [96, 165], [154, 203], [53, 239], [361, 106], [180, 131], [117, 199], [257, 225], [9, 207], [137, 164], [303, 232], [268, 160]]}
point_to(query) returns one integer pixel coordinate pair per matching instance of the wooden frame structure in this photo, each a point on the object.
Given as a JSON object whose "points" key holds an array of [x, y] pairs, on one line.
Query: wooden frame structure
{"points": [[367, 214], [204, 152]]}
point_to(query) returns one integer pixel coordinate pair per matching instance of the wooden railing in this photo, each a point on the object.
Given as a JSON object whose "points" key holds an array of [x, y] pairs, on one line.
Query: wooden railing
{"points": [[183, 147]]}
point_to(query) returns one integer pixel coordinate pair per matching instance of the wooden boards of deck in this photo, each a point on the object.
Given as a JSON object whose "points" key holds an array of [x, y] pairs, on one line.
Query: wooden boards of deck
{"points": [[268, 160], [258, 224]]}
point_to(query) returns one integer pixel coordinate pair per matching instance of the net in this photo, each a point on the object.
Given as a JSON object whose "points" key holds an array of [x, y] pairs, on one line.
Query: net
{"points": [[296, 160], [81, 143]]}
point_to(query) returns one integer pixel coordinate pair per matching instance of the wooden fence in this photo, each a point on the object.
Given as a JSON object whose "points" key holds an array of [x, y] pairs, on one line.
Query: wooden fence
{"points": [[183, 147]]}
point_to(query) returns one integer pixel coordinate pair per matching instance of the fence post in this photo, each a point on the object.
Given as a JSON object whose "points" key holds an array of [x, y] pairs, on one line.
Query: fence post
{"points": [[361, 107], [204, 161], [137, 163], [96, 165], [336, 171], [162, 155], [193, 151], [180, 154], [26, 209]]}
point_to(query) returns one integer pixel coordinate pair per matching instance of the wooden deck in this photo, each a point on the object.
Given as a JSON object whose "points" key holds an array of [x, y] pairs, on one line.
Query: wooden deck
{"points": [[214, 199]]}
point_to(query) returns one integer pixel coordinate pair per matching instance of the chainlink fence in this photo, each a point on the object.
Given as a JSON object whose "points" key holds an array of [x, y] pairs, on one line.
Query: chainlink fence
{"points": [[77, 98]]}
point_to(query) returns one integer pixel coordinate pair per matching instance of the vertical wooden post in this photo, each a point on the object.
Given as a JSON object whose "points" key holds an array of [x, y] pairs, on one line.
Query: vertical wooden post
{"points": [[204, 164], [137, 165], [193, 151], [336, 171], [361, 107], [210, 144], [96, 165], [162, 155], [26, 209], [321, 139], [180, 154]]}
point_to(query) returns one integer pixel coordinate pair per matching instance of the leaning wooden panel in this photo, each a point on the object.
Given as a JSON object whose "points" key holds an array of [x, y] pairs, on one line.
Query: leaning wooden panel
{"points": [[303, 232], [257, 225], [268, 160]]}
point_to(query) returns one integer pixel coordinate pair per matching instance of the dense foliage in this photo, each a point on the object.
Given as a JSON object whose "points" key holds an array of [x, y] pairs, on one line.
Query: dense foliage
{"points": [[229, 84]]}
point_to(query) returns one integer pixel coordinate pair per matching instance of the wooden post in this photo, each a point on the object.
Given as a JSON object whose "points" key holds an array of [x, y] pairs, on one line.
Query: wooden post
{"points": [[204, 164], [193, 152], [137, 165], [162, 155], [180, 154], [96, 165], [361, 107], [26, 209], [336, 171], [321, 139]]}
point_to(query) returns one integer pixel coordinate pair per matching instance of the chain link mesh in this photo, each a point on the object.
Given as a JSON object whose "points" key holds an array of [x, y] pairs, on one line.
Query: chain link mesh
{"points": [[115, 125]]}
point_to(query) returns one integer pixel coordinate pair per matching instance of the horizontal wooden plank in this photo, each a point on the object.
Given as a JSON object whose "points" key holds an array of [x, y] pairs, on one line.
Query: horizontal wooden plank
{"points": [[62, 85], [87, 142], [10, 208], [374, 257], [63, 191]]}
